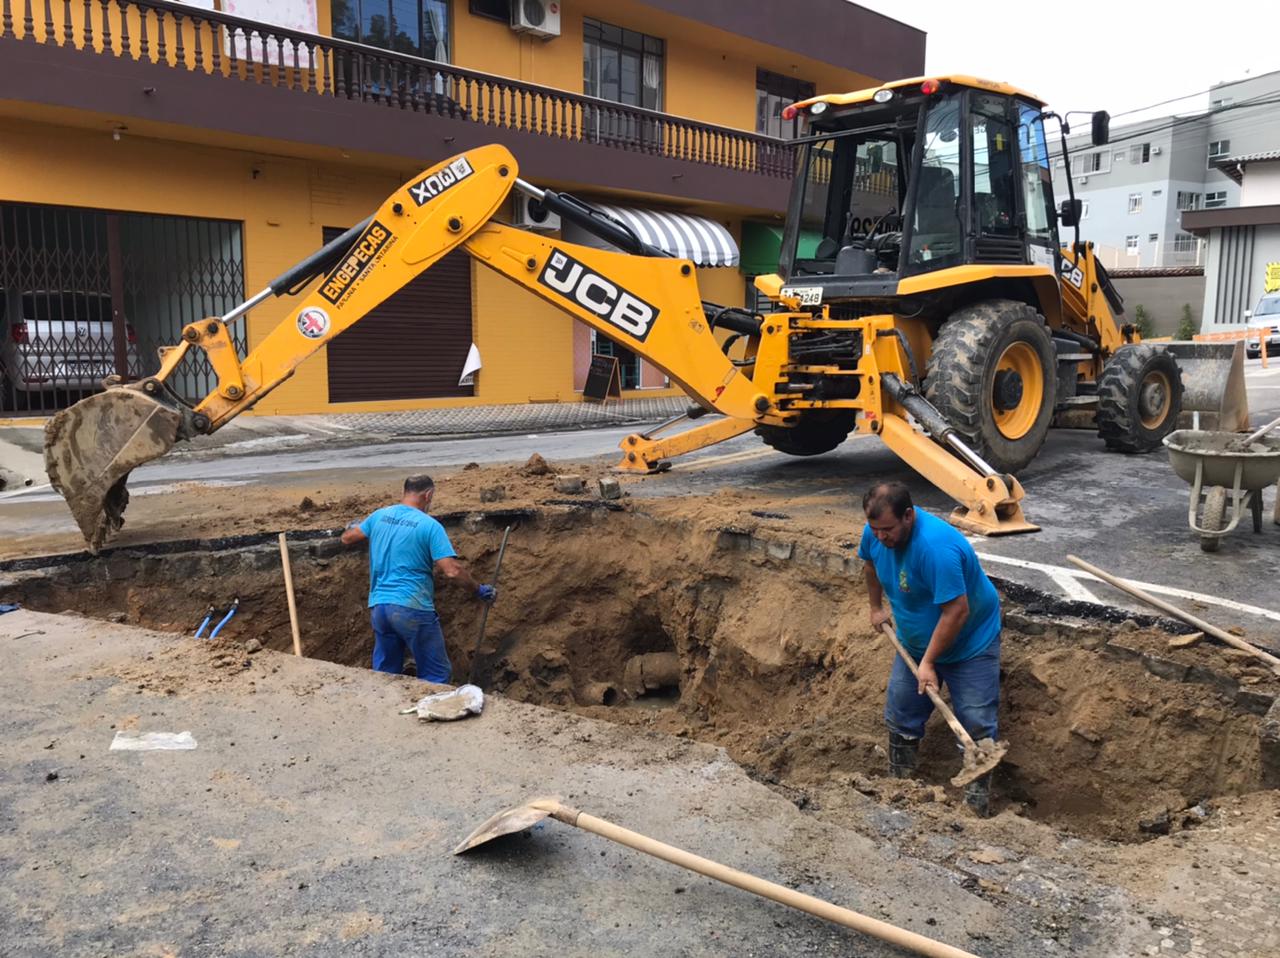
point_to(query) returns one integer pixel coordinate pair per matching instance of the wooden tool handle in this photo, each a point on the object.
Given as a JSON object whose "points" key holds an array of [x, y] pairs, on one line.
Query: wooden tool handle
{"points": [[288, 591], [965, 738], [1255, 436], [1126, 586], [759, 886]]}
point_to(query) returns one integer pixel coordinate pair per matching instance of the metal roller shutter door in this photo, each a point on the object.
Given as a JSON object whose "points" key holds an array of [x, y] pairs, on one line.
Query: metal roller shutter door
{"points": [[413, 346]]}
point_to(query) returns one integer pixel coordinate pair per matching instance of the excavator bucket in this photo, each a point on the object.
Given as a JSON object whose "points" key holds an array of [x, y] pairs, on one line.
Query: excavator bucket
{"points": [[90, 449], [1213, 383]]}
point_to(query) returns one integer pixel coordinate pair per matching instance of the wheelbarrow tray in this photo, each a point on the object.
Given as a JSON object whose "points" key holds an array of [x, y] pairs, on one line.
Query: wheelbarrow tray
{"points": [[1259, 464]]}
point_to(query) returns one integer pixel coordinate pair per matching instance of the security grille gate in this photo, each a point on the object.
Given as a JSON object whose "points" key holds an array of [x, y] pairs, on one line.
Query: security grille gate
{"points": [[86, 294]]}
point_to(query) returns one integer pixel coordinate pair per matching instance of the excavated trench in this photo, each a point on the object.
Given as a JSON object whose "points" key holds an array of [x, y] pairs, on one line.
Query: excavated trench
{"points": [[745, 645]]}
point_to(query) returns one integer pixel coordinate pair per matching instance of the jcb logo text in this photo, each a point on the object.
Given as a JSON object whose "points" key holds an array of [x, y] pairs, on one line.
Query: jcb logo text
{"points": [[598, 295]]}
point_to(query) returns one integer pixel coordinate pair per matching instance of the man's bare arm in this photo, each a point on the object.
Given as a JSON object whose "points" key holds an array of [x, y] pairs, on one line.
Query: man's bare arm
{"points": [[352, 535], [456, 573], [950, 622], [875, 594]]}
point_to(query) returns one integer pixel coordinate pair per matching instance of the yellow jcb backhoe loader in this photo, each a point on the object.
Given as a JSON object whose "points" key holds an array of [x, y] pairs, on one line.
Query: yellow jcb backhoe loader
{"points": [[953, 329]]}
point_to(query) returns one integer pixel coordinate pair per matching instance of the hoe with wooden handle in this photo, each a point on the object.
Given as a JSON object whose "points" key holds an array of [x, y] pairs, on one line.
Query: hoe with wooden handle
{"points": [[526, 816], [979, 757]]}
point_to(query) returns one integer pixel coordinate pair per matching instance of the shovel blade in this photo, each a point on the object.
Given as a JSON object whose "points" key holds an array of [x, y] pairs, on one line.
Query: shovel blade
{"points": [[90, 449], [509, 822], [979, 760]]}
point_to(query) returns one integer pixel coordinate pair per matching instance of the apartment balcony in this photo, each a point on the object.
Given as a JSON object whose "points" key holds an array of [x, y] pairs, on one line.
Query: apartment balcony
{"points": [[152, 62]]}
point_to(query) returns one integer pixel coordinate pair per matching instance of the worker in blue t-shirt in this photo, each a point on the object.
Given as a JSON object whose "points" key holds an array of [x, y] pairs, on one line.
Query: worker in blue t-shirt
{"points": [[406, 548], [947, 616]]}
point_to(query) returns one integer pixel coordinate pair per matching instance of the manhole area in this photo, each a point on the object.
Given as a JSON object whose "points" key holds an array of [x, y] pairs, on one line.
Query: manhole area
{"points": [[636, 621]]}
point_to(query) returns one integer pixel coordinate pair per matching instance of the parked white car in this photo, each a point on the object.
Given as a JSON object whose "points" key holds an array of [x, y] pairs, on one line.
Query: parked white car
{"points": [[1266, 313], [62, 339]]}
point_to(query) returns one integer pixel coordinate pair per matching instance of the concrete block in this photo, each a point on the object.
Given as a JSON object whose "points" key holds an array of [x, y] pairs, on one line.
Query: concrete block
{"points": [[780, 550], [1251, 700], [733, 539], [493, 494], [1269, 739], [570, 485], [1164, 668], [326, 548], [610, 488]]}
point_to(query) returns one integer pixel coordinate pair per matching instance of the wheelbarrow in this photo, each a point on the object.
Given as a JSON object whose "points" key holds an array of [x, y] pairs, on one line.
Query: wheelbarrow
{"points": [[1227, 468]]}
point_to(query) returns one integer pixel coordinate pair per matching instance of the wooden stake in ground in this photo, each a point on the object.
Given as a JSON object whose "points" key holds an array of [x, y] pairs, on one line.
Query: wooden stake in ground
{"points": [[288, 591], [1125, 586]]}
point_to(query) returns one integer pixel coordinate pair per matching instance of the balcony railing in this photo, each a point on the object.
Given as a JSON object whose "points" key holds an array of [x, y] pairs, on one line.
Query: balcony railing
{"points": [[247, 51]]}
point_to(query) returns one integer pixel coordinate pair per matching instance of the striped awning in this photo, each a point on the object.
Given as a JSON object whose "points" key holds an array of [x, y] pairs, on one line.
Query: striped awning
{"points": [[696, 238]]}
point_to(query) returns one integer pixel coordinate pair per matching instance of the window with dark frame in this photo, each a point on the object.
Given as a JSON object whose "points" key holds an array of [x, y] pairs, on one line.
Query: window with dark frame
{"points": [[623, 66], [493, 9], [773, 92], [419, 28]]}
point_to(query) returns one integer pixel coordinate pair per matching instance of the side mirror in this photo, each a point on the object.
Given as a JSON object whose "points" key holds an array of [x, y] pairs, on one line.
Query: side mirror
{"points": [[1069, 212], [1101, 128]]}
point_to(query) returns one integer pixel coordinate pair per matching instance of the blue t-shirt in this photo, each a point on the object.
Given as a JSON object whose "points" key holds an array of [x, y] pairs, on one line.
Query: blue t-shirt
{"points": [[936, 565], [404, 545]]}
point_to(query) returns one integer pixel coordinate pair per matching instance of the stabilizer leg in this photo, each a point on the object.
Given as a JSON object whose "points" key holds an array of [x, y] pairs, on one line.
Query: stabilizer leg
{"points": [[643, 452]]}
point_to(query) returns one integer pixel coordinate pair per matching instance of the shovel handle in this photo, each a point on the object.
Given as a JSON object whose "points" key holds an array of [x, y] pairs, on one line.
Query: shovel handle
{"points": [[965, 738], [759, 886], [484, 614]]}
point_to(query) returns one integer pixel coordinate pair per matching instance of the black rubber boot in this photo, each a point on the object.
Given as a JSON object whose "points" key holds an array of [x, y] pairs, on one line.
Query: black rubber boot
{"points": [[977, 795], [902, 755]]}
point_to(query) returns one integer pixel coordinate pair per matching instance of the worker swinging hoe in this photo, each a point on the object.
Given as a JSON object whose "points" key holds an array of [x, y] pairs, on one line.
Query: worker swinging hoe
{"points": [[922, 296]]}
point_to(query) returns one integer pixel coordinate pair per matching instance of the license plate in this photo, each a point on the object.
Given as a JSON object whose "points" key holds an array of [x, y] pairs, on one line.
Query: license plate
{"points": [[807, 295]]}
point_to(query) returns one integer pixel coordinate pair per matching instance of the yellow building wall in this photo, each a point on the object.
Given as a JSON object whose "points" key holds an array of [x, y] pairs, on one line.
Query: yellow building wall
{"points": [[284, 204]]}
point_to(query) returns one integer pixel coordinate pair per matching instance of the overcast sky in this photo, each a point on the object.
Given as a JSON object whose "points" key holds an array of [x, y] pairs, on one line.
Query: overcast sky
{"points": [[1114, 56]]}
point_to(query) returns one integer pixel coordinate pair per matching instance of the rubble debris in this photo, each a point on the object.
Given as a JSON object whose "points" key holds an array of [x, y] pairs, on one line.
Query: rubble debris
{"points": [[610, 488], [493, 494], [536, 466]]}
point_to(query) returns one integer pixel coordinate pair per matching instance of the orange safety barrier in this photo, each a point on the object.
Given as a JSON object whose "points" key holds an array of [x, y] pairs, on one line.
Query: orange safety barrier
{"points": [[1260, 333]]}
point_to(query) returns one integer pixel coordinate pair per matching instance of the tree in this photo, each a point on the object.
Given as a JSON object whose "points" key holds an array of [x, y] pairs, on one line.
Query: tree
{"points": [[1187, 327], [1142, 322]]}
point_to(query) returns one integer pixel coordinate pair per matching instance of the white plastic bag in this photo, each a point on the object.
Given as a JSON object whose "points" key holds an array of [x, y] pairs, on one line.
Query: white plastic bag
{"points": [[448, 706]]}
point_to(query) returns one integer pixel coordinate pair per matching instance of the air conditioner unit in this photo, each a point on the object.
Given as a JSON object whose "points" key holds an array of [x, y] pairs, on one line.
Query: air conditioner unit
{"points": [[1083, 180], [538, 18], [530, 215], [1155, 151]]}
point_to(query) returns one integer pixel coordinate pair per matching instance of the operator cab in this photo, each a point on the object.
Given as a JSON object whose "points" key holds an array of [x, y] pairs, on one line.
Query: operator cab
{"points": [[915, 177]]}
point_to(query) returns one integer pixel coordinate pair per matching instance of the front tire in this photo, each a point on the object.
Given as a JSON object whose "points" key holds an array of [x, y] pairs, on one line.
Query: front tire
{"points": [[993, 375], [1139, 398]]}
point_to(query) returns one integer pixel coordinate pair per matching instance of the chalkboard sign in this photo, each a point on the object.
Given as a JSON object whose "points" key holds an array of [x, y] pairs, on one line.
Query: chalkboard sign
{"points": [[604, 379]]}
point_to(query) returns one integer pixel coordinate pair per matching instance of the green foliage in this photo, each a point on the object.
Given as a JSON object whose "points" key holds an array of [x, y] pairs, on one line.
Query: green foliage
{"points": [[1143, 322], [1187, 326]]}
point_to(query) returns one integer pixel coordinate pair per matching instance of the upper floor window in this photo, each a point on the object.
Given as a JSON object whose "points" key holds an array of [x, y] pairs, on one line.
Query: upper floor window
{"points": [[1215, 200], [416, 27], [773, 92], [1188, 201], [1184, 243], [1131, 245], [622, 65], [494, 9], [1082, 164], [1219, 149], [1135, 202], [1140, 153]]}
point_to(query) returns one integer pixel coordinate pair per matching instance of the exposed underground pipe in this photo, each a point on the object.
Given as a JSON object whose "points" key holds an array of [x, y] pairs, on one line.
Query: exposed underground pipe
{"points": [[650, 671]]}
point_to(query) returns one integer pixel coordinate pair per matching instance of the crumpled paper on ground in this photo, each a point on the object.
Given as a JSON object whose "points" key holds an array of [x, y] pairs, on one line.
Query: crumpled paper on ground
{"points": [[152, 741], [448, 706]]}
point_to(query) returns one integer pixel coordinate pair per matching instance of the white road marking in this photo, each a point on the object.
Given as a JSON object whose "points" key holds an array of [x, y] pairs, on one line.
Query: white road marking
{"points": [[1073, 589], [1057, 573], [733, 457]]}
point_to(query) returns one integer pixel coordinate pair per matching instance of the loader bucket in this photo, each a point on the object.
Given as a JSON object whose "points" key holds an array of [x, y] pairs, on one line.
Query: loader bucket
{"points": [[90, 449], [1213, 383]]}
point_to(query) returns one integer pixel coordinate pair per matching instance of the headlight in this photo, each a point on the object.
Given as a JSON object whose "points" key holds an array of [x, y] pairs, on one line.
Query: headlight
{"points": [[883, 96]]}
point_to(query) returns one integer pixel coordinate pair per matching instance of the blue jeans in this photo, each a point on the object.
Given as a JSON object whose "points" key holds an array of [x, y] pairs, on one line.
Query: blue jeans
{"points": [[974, 685], [394, 627]]}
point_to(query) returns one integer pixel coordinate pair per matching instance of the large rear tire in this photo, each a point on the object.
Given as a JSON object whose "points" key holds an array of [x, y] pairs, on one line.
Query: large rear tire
{"points": [[1139, 398], [992, 373], [817, 431]]}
